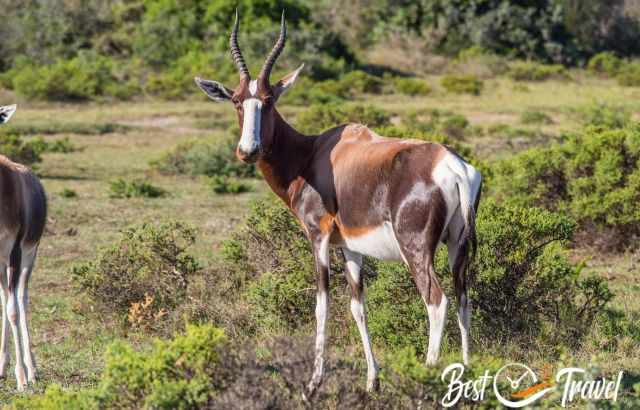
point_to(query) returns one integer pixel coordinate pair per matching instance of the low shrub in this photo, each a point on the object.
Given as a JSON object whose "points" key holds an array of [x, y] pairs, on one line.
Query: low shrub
{"points": [[605, 63], [200, 157], [87, 76], [62, 128], [306, 92], [535, 117], [437, 122], [411, 86], [318, 118], [68, 193], [605, 116], [359, 82], [121, 188], [17, 149], [629, 75], [226, 185], [462, 84], [479, 62], [593, 176], [532, 71], [148, 260]]}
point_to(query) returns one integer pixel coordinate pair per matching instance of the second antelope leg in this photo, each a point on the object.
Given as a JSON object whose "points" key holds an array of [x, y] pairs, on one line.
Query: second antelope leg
{"points": [[359, 312], [321, 253]]}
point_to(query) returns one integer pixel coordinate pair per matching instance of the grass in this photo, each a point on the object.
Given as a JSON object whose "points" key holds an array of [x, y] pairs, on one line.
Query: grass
{"points": [[69, 341]]}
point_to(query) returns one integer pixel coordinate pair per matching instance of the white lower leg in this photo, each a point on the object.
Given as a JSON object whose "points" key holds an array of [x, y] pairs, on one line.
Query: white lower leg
{"points": [[437, 320], [322, 301], [4, 350], [23, 302], [359, 314], [464, 321], [12, 315]]}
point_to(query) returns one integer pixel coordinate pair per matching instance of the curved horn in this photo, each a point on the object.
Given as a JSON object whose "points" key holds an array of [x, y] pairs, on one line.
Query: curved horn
{"points": [[275, 53], [236, 54]]}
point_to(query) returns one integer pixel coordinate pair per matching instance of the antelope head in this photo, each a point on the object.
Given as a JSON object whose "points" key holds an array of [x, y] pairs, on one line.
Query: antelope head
{"points": [[254, 100], [6, 112]]}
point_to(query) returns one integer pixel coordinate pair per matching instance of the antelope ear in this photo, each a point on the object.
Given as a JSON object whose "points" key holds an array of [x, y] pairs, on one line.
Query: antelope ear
{"points": [[214, 90], [6, 112], [287, 81]]}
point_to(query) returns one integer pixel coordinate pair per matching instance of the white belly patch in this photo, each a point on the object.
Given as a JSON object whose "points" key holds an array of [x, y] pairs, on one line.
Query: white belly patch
{"points": [[379, 243]]}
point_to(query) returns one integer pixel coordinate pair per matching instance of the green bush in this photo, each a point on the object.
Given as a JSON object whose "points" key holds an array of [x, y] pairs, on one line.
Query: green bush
{"points": [[148, 260], [605, 116], [605, 63], [532, 71], [120, 188], [629, 75], [68, 193], [359, 82], [462, 84], [318, 118], [199, 157], [21, 151], [225, 185], [437, 122], [84, 77], [411, 86], [306, 92], [535, 117], [594, 176]]}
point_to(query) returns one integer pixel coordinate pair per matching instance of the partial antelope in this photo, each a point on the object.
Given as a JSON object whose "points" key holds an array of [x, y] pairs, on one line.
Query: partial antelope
{"points": [[22, 220], [366, 194]]}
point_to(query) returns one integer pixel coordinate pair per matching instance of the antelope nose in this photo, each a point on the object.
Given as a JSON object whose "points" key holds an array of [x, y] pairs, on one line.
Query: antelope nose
{"points": [[248, 157]]}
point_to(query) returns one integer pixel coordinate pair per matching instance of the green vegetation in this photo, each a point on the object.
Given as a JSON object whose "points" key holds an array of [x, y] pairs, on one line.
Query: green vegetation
{"points": [[535, 117], [532, 71], [592, 176], [68, 193], [319, 118], [149, 263], [200, 157], [411, 86], [225, 185], [462, 84], [121, 188]]}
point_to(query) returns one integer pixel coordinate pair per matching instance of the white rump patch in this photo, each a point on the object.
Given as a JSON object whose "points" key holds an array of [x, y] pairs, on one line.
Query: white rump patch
{"points": [[379, 243]]}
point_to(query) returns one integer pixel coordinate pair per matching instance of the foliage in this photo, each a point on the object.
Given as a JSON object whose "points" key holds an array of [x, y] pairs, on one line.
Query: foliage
{"points": [[121, 188], [84, 77], [593, 176], [535, 117], [318, 118], [434, 121], [20, 151], [68, 193], [532, 71], [199, 157], [605, 63], [529, 289], [411, 86], [629, 75], [462, 84], [225, 185], [605, 116], [147, 260]]}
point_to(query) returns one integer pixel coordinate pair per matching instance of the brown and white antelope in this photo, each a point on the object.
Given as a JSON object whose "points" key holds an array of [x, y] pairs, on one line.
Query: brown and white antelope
{"points": [[23, 213], [366, 194]]}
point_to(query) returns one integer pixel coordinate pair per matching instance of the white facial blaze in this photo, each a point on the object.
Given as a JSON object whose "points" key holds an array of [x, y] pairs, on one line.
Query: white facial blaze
{"points": [[250, 139], [252, 108]]}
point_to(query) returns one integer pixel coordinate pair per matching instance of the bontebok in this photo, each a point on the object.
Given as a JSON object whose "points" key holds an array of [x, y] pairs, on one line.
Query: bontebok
{"points": [[366, 194], [22, 221]]}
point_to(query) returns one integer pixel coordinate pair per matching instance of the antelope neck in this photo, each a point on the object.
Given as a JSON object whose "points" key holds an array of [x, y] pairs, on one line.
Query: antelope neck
{"points": [[287, 159]]}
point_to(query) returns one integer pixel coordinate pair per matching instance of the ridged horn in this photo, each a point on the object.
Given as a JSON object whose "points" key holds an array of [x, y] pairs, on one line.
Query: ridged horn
{"points": [[236, 54], [275, 53]]}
